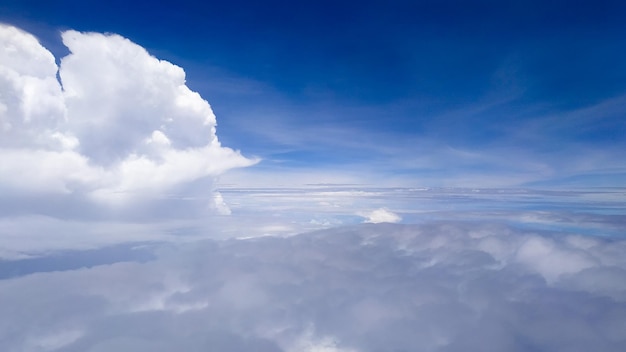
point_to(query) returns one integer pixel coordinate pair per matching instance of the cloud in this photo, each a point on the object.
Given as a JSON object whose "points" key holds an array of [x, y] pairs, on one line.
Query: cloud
{"points": [[439, 286], [381, 215], [119, 130], [289, 211], [32, 100]]}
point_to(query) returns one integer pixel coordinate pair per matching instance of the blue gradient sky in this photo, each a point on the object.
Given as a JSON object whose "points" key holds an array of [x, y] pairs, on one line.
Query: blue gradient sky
{"points": [[490, 132], [399, 93]]}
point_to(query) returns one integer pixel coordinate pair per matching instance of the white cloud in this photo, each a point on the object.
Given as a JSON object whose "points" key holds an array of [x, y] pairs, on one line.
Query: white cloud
{"points": [[373, 287], [120, 129], [220, 205], [381, 215], [31, 98]]}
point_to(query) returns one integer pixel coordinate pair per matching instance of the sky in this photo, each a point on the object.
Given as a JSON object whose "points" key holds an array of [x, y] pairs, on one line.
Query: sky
{"points": [[407, 93], [313, 176]]}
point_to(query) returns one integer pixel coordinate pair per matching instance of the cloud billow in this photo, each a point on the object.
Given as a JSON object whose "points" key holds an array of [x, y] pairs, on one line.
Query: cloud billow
{"points": [[119, 128]]}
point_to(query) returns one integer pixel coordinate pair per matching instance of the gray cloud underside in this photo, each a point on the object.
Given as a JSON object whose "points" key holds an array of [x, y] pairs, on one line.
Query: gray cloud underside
{"points": [[432, 287]]}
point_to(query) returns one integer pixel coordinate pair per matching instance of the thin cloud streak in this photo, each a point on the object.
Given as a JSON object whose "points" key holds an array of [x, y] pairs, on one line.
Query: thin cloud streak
{"points": [[516, 153]]}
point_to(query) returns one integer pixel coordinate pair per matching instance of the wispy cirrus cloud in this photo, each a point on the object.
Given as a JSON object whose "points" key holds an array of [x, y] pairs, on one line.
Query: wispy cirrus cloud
{"points": [[498, 142]]}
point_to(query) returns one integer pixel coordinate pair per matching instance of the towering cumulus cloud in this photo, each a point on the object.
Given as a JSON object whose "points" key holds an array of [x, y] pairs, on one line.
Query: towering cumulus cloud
{"points": [[118, 128]]}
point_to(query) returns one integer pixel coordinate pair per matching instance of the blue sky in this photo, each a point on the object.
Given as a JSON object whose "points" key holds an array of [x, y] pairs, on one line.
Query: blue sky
{"points": [[419, 93], [312, 176]]}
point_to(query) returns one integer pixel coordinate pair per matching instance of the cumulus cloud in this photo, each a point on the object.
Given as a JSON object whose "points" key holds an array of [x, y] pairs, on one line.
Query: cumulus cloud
{"points": [[118, 129], [381, 215], [374, 287]]}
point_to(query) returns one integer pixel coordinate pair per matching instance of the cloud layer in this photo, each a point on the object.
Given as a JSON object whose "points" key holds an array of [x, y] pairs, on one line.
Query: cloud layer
{"points": [[373, 287], [118, 128]]}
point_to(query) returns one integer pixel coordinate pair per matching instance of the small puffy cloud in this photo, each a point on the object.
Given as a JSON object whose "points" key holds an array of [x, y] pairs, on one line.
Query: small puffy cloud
{"points": [[220, 205], [118, 131], [381, 215]]}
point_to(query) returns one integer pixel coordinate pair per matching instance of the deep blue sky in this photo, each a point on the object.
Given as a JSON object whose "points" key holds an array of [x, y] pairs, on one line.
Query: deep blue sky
{"points": [[438, 92]]}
